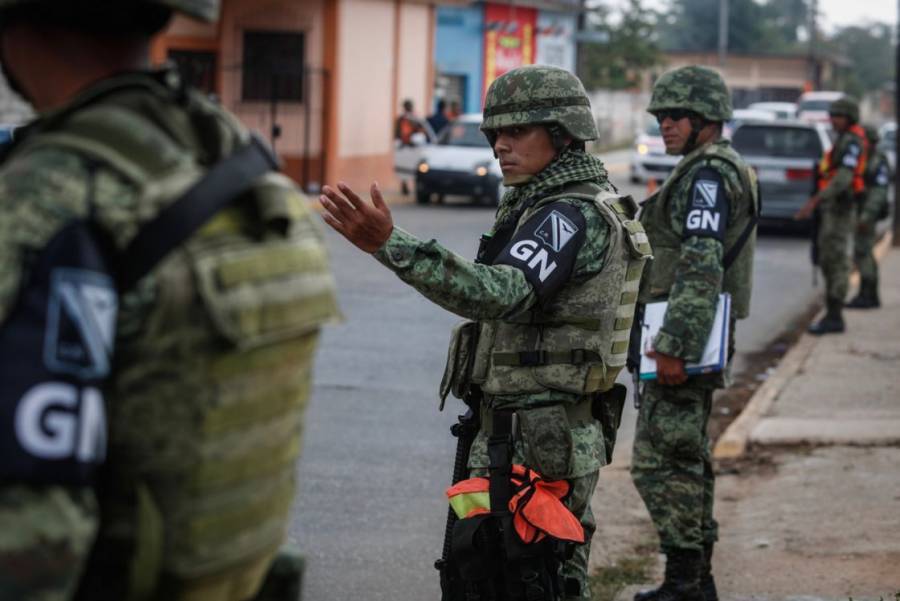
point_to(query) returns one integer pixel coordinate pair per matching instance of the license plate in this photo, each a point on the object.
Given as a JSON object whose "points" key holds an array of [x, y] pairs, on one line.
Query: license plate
{"points": [[772, 175]]}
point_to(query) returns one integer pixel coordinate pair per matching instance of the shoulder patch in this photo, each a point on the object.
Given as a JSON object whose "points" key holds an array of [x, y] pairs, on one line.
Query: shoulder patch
{"points": [[851, 155], [556, 230], [882, 176], [546, 246], [708, 210]]}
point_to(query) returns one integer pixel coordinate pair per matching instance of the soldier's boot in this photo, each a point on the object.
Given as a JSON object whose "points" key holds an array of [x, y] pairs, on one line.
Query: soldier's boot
{"points": [[831, 323], [707, 582], [867, 297], [682, 580], [283, 581]]}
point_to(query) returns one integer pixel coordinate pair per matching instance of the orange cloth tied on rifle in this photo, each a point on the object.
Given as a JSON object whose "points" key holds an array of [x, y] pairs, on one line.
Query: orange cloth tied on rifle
{"points": [[536, 505]]}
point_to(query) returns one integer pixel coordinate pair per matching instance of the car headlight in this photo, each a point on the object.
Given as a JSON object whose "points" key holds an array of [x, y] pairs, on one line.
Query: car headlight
{"points": [[643, 149], [423, 167], [481, 170]]}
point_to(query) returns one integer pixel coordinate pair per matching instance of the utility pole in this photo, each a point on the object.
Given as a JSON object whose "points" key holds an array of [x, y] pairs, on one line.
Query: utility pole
{"points": [[723, 32], [896, 120], [813, 77]]}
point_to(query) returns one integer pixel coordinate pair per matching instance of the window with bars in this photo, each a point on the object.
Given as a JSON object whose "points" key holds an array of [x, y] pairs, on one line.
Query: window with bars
{"points": [[273, 66]]}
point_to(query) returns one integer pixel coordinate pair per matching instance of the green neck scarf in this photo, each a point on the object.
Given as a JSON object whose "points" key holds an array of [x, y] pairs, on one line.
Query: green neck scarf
{"points": [[569, 167]]}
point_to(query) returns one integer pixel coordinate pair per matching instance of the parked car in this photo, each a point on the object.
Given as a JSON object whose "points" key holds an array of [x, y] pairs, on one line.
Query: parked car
{"points": [[648, 157], [407, 156], [813, 106], [782, 110], [887, 141], [785, 155], [739, 116], [462, 162]]}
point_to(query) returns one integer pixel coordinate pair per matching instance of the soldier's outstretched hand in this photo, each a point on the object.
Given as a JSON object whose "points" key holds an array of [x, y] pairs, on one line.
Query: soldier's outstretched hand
{"points": [[367, 226]]}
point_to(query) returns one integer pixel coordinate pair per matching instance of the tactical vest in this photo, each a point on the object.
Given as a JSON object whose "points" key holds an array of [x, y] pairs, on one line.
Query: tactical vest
{"points": [[579, 341], [828, 168], [873, 165], [214, 349], [656, 219]]}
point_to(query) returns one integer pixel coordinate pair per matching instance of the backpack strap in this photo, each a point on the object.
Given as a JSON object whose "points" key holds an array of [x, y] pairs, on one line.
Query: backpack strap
{"points": [[226, 181]]}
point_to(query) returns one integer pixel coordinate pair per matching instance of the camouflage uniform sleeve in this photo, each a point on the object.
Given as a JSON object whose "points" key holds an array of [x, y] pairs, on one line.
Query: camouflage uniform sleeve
{"points": [[592, 256], [477, 291], [699, 271], [469, 289], [47, 530], [38, 193], [843, 179], [877, 193]]}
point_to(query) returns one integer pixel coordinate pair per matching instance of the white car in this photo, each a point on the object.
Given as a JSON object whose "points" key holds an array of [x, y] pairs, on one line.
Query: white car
{"points": [[813, 106], [461, 163], [648, 157], [782, 110], [739, 116]]}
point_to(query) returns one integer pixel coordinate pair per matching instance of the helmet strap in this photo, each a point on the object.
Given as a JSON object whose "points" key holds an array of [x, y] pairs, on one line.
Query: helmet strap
{"points": [[697, 124]]}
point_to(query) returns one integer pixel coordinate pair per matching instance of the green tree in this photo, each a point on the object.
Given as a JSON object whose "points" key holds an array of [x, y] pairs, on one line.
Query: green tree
{"points": [[753, 27], [870, 51], [629, 50]]}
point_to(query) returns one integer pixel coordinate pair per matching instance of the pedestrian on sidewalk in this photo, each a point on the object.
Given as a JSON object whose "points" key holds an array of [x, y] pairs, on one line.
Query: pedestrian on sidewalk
{"points": [[841, 185], [554, 281], [873, 208], [702, 227]]}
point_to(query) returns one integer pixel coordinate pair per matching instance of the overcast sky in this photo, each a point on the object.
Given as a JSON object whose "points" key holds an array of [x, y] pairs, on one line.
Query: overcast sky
{"points": [[835, 13], [850, 12]]}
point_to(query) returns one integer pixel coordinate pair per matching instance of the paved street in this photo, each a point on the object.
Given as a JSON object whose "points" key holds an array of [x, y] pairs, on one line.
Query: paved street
{"points": [[370, 515]]}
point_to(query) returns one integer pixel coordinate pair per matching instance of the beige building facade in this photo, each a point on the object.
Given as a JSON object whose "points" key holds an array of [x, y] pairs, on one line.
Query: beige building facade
{"points": [[322, 79]]}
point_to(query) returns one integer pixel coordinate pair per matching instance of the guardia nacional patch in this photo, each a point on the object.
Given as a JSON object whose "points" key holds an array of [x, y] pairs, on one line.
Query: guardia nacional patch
{"points": [[707, 212], [545, 248], [851, 155], [882, 177]]}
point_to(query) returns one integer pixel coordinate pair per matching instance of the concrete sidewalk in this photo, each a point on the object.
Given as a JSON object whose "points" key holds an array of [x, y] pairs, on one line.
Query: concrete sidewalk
{"points": [[811, 509]]}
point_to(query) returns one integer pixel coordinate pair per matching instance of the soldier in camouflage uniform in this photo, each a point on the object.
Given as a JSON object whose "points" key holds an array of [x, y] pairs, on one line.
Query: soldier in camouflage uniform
{"points": [[212, 348], [841, 185], [552, 291], [870, 211], [701, 225]]}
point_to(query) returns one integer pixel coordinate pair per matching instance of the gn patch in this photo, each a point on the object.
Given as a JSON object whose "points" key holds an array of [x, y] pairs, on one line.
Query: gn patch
{"points": [[882, 177], [707, 211], [851, 156], [545, 247]]}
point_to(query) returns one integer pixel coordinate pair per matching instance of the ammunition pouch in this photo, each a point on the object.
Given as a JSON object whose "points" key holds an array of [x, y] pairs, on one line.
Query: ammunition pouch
{"points": [[457, 377], [607, 409]]}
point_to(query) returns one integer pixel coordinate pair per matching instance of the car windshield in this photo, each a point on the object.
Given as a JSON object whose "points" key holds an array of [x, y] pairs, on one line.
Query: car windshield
{"points": [[815, 105], [788, 142], [463, 134], [652, 129], [890, 137]]}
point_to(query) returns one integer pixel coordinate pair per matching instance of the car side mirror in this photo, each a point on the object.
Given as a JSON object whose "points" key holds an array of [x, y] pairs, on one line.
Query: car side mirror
{"points": [[418, 139]]}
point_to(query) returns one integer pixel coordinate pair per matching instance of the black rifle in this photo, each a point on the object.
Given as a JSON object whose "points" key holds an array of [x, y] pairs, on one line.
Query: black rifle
{"points": [[815, 225], [464, 431]]}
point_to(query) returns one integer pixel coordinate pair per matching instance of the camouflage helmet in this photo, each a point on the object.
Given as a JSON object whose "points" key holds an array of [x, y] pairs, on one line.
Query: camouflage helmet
{"points": [[845, 106], [204, 10], [538, 94], [693, 88]]}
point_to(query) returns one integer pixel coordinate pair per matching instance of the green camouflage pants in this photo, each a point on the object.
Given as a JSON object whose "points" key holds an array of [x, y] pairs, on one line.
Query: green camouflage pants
{"points": [[835, 231], [671, 465], [863, 258], [46, 534]]}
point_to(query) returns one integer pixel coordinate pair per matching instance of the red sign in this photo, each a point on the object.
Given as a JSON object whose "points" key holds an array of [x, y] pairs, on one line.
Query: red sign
{"points": [[509, 39]]}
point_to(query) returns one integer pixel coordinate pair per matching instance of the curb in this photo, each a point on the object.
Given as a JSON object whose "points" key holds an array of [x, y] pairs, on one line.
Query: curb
{"points": [[734, 440]]}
